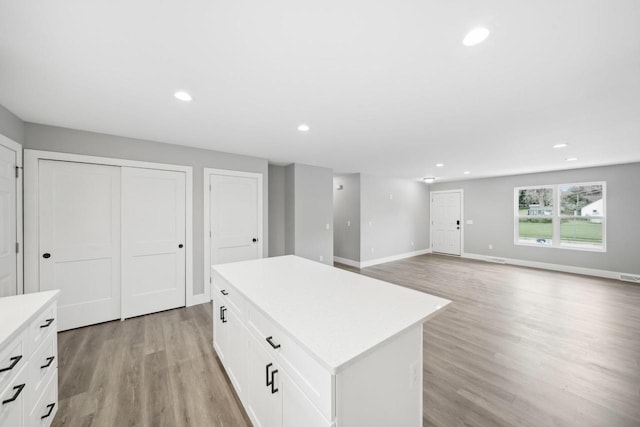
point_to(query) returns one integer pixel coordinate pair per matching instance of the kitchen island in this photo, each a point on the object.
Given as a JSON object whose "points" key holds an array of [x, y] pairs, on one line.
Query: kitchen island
{"points": [[306, 344]]}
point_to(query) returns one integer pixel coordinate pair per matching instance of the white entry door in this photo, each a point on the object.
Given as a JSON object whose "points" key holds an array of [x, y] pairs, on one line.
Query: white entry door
{"points": [[446, 222], [153, 237], [8, 229], [235, 218], [79, 240]]}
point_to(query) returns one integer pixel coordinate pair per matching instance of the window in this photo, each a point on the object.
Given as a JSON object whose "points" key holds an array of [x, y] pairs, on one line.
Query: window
{"points": [[566, 216]]}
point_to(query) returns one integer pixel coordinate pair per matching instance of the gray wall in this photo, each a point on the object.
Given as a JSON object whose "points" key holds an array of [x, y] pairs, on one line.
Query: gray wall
{"points": [[50, 138], [346, 216], [314, 213], [289, 210], [276, 210], [11, 126], [394, 216], [489, 203]]}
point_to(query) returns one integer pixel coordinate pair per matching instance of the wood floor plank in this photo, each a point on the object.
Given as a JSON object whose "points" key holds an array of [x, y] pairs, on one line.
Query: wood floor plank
{"points": [[518, 347]]}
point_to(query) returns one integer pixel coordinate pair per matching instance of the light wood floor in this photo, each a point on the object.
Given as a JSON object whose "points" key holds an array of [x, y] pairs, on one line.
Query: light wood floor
{"points": [[518, 347]]}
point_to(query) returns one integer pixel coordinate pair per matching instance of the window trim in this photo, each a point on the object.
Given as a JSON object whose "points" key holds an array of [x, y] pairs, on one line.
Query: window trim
{"points": [[556, 218]]}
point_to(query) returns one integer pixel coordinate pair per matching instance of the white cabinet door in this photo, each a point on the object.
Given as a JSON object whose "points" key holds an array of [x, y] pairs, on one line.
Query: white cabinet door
{"points": [[238, 348], [13, 402], [220, 330], [297, 409], [79, 240], [235, 219], [264, 397], [153, 236], [446, 219], [8, 235]]}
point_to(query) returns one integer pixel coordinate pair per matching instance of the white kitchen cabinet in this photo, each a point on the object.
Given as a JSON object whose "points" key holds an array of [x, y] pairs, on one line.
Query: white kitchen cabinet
{"points": [[28, 360], [305, 344]]}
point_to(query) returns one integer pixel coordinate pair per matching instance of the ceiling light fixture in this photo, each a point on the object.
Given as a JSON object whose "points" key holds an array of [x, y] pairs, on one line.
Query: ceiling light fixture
{"points": [[182, 96], [429, 179], [475, 36], [571, 159], [562, 145], [304, 128], [466, 172], [439, 165]]}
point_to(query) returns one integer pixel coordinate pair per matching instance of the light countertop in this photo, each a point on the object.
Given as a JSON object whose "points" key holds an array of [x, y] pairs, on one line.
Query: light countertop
{"points": [[335, 314], [18, 310]]}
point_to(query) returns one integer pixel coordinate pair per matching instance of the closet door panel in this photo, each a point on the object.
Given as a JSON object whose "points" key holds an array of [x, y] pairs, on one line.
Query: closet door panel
{"points": [[153, 236], [79, 240]]}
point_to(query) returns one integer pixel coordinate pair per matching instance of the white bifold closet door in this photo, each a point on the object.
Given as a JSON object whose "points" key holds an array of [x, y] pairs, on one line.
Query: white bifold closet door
{"points": [[153, 236], [79, 240], [8, 256]]}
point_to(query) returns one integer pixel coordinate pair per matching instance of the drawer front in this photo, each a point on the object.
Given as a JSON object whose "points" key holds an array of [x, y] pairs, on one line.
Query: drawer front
{"points": [[42, 364], [228, 295], [46, 408], [13, 401], [42, 325], [309, 375], [13, 357]]}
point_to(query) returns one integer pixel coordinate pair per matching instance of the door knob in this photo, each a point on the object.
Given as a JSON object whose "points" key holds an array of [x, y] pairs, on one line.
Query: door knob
{"points": [[46, 255], [254, 240], [180, 245]]}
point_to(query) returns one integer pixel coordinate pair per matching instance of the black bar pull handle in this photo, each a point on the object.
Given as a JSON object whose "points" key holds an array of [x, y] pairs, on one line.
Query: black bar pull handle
{"points": [[15, 396], [50, 406], [47, 323], [273, 381], [14, 361], [270, 341], [49, 362], [224, 292], [268, 366], [223, 309]]}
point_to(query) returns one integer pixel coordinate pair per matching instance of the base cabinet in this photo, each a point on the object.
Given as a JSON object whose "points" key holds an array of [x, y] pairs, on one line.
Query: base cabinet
{"points": [[264, 397]]}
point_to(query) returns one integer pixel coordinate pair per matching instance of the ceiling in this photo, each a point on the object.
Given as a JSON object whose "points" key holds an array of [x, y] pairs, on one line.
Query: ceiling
{"points": [[385, 85]]}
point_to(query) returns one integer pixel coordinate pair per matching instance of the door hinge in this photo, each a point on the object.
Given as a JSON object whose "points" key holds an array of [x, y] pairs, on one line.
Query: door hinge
{"points": [[17, 247], [209, 234], [209, 187], [17, 171], [209, 280]]}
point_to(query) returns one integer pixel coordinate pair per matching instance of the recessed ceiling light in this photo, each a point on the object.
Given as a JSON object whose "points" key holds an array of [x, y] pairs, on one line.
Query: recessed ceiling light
{"points": [[475, 36], [182, 96], [563, 145], [304, 128], [466, 172], [571, 159], [429, 179], [439, 165]]}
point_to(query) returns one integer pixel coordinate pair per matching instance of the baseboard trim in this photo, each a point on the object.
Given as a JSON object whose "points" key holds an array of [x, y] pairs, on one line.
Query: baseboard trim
{"points": [[199, 299], [545, 266], [369, 263]]}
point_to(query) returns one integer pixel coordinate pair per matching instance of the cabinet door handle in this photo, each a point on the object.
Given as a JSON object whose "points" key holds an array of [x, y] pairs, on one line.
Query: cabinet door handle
{"points": [[49, 362], [268, 366], [223, 312], [224, 292], [50, 406], [15, 396], [14, 362], [273, 381], [270, 341], [47, 323]]}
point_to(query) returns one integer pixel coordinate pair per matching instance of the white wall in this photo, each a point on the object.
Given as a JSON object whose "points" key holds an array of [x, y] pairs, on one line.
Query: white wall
{"points": [[51, 138], [276, 211], [489, 203]]}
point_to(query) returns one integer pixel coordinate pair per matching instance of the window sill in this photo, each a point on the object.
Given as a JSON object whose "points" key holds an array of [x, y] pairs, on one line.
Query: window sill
{"points": [[566, 247]]}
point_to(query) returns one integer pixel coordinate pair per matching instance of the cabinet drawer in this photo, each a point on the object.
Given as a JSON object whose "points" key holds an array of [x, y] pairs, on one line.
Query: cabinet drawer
{"points": [[310, 376], [13, 357], [43, 362], [13, 401], [46, 408], [228, 295], [42, 325]]}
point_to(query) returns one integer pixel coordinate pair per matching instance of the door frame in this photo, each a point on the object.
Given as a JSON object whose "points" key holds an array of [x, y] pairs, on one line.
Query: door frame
{"points": [[17, 148], [31, 232], [208, 172], [461, 192]]}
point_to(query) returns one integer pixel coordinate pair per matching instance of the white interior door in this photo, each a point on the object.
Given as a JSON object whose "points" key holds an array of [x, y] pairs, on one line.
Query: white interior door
{"points": [[79, 240], [153, 236], [235, 218], [446, 219], [8, 228]]}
